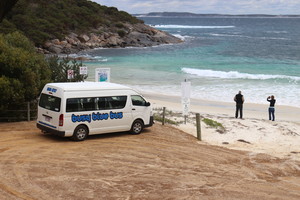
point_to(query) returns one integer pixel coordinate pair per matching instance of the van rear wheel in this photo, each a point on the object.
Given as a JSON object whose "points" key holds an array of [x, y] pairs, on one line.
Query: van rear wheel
{"points": [[80, 133], [137, 127]]}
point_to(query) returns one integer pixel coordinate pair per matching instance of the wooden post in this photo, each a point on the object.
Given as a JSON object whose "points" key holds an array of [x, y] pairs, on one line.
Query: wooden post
{"points": [[28, 111], [198, 122], [164, 114]]}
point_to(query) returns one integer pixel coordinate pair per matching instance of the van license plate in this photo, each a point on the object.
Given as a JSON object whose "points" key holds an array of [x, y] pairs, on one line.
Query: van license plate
{"points": [[47, 118]]}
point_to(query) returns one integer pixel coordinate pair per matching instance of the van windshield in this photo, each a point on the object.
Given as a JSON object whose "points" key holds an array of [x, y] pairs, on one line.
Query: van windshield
{"points": [[50, 102]]}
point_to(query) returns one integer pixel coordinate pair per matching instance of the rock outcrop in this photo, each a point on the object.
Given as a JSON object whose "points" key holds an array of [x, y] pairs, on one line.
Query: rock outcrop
{"points": [[131, 35]]}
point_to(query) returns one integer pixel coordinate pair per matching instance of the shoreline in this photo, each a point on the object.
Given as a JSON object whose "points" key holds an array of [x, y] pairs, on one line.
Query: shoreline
{"points": [[254, 133], [250, 110]]}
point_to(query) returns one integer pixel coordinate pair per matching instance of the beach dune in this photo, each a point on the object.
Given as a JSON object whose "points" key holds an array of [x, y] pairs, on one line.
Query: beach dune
{"points": [[254, 133]]}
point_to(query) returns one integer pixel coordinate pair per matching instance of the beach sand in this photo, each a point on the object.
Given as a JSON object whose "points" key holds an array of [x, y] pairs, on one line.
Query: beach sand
{"points": [[254, 133], [161, 163]]}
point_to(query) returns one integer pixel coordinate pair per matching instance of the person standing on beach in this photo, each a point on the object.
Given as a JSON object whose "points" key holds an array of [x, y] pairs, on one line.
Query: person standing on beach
{"points": [[272, 101], [239, 99]]}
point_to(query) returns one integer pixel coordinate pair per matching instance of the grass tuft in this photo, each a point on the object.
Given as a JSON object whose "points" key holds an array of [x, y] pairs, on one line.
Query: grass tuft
{"points": [[214, 124], [167, 121]]}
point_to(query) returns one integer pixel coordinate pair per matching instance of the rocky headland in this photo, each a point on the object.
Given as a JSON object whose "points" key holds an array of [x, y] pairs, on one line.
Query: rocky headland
{"points": [[131, 35]]}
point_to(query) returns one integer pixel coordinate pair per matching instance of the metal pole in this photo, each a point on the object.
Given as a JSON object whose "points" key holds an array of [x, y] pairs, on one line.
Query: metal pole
{"points": [[198, 126], [28, 111], [164, 113]]}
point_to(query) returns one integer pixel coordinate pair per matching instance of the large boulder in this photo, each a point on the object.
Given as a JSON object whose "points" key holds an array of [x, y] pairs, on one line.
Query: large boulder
{"points": [[139, 39], [57, 49], [83, 38]]}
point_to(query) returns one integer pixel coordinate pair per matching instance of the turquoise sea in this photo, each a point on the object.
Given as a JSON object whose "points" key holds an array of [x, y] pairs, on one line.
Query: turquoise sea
{"points": [[220, 56]]}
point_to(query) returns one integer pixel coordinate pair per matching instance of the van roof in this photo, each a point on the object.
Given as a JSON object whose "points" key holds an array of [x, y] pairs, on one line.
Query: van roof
{"points": [[86, 86]]}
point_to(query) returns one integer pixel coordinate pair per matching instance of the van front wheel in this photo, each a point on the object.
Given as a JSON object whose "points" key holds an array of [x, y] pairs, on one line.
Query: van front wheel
{"points": [[80, 133], [137, 127]]}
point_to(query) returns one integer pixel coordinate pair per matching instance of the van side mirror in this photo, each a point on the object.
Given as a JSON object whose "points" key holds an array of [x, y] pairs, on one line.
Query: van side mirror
{"points": [[147, 104]]}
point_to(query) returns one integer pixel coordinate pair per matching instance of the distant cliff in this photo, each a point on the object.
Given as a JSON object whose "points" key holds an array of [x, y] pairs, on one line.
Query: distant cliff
{"points": [[69, 26]]}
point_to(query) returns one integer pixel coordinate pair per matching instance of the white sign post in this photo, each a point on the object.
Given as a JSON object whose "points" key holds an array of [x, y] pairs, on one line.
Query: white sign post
{"points": [[83, 71], [185, 98], [102, 75], [70, 74]]}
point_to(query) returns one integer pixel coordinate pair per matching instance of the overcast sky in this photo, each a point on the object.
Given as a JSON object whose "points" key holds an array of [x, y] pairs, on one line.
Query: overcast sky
{"points": [[206, 6]]}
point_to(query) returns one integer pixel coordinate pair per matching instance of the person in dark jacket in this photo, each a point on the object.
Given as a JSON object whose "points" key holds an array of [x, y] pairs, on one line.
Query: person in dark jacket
{"points": [[239, 99], [272, 101]]}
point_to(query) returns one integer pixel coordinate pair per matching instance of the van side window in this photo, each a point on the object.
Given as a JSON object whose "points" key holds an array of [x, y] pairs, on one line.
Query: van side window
{"points": [[116, 102], [81, 104], [95, 103], [137, 100], [102, 103], [73, 105], [88, 104]]}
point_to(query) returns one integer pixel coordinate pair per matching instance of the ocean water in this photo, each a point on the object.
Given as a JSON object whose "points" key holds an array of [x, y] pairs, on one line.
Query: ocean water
{"points": [[220, 56]]}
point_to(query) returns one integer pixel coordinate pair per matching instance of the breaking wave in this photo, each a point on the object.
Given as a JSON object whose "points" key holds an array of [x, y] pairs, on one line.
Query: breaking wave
{"points": [[235, 75], [191, 27], [182, 37]]}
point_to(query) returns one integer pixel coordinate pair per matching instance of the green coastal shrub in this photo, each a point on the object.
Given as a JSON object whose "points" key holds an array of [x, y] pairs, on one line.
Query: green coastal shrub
{"points": [[214, 124], [20, 63], [121, 33], [60, 67], [119, 25], [23, 72]]}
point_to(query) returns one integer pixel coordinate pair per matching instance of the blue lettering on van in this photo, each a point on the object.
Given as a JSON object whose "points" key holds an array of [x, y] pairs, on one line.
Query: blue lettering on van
{"points": [[96, 117], [81, 118], [49, 89], [99, 116], [114, 115]]}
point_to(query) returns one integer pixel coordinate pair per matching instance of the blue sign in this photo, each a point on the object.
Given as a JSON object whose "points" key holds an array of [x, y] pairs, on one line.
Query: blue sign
{"points": [[49, 89]]}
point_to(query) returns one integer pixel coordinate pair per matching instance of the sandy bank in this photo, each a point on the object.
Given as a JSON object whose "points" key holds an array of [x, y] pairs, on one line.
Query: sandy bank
{"points": [[161, 163]]}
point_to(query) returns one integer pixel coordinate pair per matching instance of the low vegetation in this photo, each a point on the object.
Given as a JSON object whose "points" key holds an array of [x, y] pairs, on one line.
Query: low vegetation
{"points": [[167, 121], [176, 118], [214, 124], [170, 116], [24, 72], [60, 66]]}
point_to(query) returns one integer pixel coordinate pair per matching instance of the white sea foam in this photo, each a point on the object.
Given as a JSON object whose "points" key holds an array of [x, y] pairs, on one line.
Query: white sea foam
{"points": [[89, 57], [236, 75], [277, 32], [182, 37], [190, 27], [245, 36]]}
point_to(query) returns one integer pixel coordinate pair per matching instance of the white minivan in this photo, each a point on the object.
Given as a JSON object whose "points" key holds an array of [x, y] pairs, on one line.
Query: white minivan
{"points": [[80, 109]]}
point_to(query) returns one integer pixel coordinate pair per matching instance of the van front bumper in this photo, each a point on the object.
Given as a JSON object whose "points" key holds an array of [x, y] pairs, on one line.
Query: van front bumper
{"points": [[151, 122], [50, 130]]}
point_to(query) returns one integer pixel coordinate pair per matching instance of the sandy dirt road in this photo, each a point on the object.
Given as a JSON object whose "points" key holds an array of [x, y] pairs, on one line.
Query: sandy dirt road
{"points": [[161, 163]]}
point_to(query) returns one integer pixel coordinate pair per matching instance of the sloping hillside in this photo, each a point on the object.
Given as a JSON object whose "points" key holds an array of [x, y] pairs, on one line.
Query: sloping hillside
{"points": [[68, 26]]}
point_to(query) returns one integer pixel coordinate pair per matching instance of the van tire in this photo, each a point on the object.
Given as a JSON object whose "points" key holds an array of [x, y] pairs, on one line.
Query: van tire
{"points": [[80, 133], [137, 127]]}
